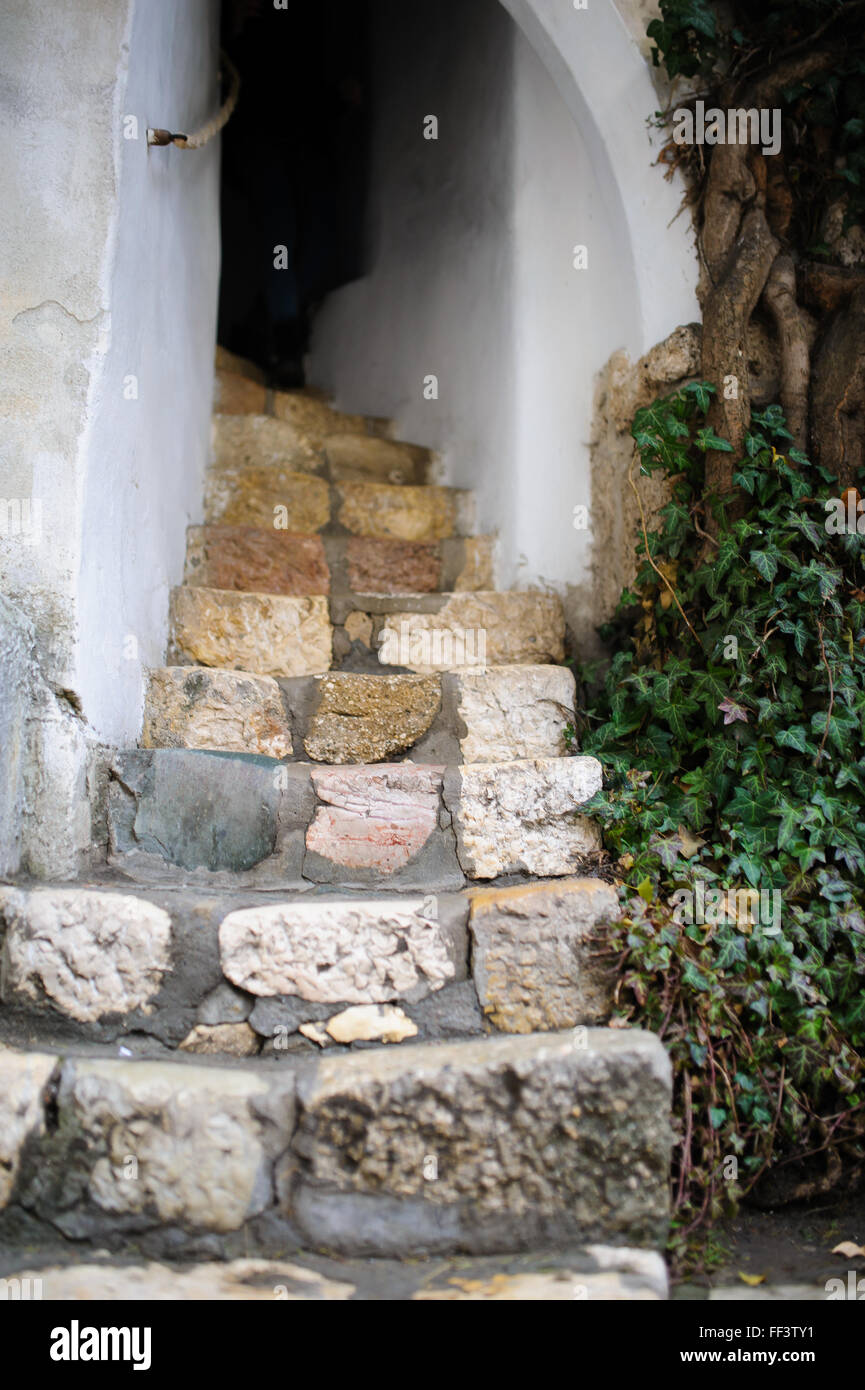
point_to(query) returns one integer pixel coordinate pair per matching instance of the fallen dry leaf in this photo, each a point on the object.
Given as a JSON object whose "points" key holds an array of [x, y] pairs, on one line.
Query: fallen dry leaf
{"points": [[752, 1280]]}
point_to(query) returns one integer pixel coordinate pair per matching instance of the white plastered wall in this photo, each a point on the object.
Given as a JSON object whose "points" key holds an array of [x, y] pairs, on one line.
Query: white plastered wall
{"points": [[109, 271], [543, 146]]}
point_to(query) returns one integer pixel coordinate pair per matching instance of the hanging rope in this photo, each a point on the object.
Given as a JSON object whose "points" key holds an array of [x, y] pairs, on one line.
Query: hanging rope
{"points": [[200, 137]]}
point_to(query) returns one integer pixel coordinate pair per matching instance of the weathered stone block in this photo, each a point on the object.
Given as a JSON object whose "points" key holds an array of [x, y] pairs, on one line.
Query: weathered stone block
{"points": [[23, 1078], [364, 458], [377, 565], [531, 1140], [226, 361], [222, 1039], [228, 711], [200, 1160], [477, 570], [88, 953], [235, 394], [218, 812], [535, 966], [513, 712], [267, 634], [260, 441], [405, 513], [366, 719], [476, 629], [256, 560], [314, 418], [274, 498], [523, 817], [366, 951], [233, 1281], [375, 818]]}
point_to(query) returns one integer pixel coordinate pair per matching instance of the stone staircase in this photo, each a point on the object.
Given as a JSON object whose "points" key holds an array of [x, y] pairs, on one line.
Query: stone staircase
{"points": [[338, 986]]}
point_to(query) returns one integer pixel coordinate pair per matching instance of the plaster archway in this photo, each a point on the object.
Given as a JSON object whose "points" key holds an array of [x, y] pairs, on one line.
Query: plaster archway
{"points": [[601, 71]]}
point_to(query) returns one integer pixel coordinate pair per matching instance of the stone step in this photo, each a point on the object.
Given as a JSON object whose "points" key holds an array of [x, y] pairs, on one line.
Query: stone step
{"points": [[235, 393], [238, 973], [437, 632], [262, 560], [225, 361], [278, 635], [595, 1273], [497, 715], [495, 1144], [268, 634], [313, 415], [265, 442], [237, 820], [280, 498]]}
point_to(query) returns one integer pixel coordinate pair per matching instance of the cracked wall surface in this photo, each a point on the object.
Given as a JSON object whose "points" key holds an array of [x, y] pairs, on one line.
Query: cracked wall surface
{"points": [[97, 479]]}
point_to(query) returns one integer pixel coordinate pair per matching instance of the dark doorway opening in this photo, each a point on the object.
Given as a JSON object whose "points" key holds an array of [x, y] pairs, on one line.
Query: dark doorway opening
{"points": [[295, 158]]}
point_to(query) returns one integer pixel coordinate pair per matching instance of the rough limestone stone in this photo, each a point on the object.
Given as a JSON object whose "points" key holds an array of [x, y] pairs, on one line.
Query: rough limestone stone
{"points": [[232, 1039], [376, 818], [88, 953], [313, 418], [405, 513], [523, 817], [267, 634], [196, 1146], [366, 951], [363, 458], [250, 1281], [195, 707], [358, 626], [371, 1023], [478, 571], [377, 565], [268, 497], [255, 560], [235, 394], [534, 965], [366, 719], [496, 1144], [226, 361], [260, 441], [492, 629], [23, 1078], [513, 712]]}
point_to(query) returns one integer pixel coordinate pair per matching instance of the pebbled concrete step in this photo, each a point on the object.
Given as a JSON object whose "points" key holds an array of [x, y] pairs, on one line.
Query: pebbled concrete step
{"points": [[237, 973], [595, 1273], [496, 1144], [260, 560], [231, 819], [281, 498], [496, 715]]}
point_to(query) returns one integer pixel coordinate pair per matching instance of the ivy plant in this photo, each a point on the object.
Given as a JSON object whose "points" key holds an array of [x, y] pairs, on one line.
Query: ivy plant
{"points": [[731, 728]]}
